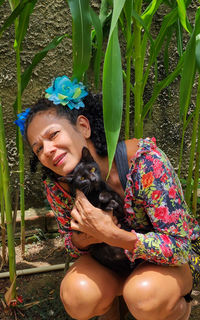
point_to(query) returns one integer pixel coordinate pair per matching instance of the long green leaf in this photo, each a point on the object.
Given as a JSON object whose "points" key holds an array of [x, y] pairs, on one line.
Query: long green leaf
{"points": [[161, 85], [37, 58], [117, 9], [81, 36], [197, 26], [197, 51], [23, 22], [104, 11], [168, 21], [112, 94], [150, 10], [183, 15], [99, 36], [13, 15]]}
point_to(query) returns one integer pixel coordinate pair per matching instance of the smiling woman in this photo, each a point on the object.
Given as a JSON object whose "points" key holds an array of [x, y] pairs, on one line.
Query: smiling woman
{"points": [[160, 234]]}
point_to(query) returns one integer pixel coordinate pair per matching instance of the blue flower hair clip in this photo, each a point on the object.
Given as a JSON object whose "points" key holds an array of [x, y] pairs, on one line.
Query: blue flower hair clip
{"points": [[21, 119], [66, 92]]}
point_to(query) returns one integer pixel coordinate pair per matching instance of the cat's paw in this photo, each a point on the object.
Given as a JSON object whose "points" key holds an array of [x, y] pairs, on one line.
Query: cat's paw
{"points": [[105, 197], [112, 205]]}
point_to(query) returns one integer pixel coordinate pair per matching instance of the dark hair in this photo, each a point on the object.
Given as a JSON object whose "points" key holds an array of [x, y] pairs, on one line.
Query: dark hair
{"points": [[93, 111]]}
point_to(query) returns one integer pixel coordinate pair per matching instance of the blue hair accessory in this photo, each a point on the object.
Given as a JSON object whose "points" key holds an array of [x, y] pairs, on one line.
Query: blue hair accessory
{"points": [[66, 92], [21, 119]]}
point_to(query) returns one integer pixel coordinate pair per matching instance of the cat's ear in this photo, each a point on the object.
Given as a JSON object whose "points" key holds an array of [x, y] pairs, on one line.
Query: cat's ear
{"points": [[66, 179], [86, 155]]}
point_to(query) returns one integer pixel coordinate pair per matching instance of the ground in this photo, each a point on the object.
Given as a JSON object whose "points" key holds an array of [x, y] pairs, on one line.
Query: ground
{"points": [[40, 292]]}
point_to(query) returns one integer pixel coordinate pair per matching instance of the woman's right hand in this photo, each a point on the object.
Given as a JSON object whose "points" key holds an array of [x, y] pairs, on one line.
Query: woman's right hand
{"points": [[82, 240]]}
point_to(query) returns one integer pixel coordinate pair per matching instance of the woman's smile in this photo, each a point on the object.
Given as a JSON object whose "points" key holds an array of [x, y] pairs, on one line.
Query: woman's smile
{"points": [[56, 142], [59, 159]]}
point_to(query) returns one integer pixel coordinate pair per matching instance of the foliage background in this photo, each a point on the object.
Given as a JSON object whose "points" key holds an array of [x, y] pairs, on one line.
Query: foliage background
{"points": [[51, 19]]}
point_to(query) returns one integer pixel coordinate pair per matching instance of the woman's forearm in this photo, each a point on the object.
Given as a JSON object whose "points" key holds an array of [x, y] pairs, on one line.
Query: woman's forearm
{"points": [[121, 238]]}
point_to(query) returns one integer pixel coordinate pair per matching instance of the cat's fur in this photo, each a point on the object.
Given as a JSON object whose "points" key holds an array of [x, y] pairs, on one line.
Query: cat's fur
{"points": [[87, 178]]}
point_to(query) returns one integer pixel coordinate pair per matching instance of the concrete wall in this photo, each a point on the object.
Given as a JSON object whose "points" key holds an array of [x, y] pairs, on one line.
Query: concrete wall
{"points": [[50, 19]]}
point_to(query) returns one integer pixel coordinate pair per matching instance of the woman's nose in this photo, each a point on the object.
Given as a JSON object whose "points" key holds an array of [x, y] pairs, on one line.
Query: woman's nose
{"points": [[48, 148]]}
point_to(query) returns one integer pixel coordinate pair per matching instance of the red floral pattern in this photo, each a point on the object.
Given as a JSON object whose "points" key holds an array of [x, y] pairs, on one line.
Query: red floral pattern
{"points": [[155, 209]]}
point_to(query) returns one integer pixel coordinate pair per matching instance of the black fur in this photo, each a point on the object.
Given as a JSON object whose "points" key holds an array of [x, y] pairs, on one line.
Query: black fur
{"points": [[87, 178]]}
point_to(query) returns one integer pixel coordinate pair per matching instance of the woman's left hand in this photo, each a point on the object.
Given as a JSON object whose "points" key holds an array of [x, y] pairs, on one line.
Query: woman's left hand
{"points": [[91, 220]]}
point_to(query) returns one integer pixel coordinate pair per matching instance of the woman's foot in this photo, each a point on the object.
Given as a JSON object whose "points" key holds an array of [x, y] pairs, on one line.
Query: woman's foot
{"points": [[113, 312]]}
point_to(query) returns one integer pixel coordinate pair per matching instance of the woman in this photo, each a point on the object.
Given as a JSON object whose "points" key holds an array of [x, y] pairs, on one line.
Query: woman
{"points": [[159, 287]]}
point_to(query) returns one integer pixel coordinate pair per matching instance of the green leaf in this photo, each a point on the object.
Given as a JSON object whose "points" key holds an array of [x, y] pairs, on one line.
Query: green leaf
{"points": [[112, 94], [183, 15], [104, 11], [23, 22], [150, 10], [179, 36], [37, 58], [197, 51], [187, 77], [99, 37], [117, 8], [81, 36], [197, 26], [14, 15], [161, 85], [168, 21]]}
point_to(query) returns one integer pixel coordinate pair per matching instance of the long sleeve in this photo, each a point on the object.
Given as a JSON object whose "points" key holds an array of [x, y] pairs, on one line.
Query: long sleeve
{"points": [[61, 204], [156, 209]]}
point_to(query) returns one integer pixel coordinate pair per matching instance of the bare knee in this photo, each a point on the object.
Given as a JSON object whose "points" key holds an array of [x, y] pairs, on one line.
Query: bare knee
{"points": [[156, 295], [88, 289], [79, 297]]}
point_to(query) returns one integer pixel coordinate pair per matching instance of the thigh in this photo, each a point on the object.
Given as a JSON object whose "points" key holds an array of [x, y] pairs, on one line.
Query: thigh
{"points": [[153, 287]]}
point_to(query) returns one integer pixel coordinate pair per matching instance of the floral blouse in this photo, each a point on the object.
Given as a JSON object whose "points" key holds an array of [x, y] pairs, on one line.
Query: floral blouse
{"points": [[154, 208]]}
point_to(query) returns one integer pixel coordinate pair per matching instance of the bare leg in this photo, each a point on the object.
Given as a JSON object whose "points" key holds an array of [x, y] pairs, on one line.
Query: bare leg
{"points": [[89, 289], [156, 292]]}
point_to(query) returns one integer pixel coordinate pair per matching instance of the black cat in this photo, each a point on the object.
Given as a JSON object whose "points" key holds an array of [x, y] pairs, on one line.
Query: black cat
{"points": [[87, 178]]}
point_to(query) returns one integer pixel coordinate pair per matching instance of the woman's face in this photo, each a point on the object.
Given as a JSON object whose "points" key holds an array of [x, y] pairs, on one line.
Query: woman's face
{"points": [[56, 142]]}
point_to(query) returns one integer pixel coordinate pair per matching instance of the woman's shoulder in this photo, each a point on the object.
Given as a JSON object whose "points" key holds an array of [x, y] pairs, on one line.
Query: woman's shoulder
{"points": [[135, 147]]}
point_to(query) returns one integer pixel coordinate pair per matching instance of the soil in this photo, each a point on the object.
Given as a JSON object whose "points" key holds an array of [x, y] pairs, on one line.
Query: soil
{"points": [[40, 292]]}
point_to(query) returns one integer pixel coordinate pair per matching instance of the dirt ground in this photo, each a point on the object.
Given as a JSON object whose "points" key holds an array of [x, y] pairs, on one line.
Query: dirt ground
{"points": [[40, 292]]}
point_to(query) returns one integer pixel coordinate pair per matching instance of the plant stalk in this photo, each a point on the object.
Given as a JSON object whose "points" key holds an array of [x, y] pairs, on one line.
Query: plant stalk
{"points": [[3, 227], [21, 154], [7, 200], [188, 191], [138, 125], [197, 161]]}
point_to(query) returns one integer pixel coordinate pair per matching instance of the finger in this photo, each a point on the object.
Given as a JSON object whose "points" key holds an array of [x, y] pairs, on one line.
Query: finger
{"points": [[75, 214], [74, 225], [79, 207], [81, 197], [80, 194], [115, 220]]}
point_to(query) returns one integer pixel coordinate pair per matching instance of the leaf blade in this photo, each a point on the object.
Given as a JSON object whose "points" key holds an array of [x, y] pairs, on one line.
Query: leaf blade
{"points": [[81, 36], [112, 94]]}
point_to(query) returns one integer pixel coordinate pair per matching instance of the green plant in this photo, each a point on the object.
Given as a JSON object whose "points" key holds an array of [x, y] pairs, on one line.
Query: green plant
{"points": [[4, 173], [135, 19]]}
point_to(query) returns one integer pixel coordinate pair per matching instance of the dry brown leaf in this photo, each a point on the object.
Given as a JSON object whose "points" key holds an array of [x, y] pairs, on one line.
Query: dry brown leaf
{"points": [[8, 294]]}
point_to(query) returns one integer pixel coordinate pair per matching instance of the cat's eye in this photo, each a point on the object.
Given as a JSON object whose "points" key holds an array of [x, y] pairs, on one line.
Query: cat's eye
{"points": [[82, 178], [92, 170]]}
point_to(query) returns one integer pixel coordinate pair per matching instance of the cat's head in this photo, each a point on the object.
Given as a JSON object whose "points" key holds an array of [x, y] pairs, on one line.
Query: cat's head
{"points": [[85, 176]]}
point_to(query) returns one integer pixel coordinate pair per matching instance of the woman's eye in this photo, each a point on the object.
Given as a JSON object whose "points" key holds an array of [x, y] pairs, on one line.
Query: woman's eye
{"points": [[92, 170], [38, 150], [53, 134]]}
